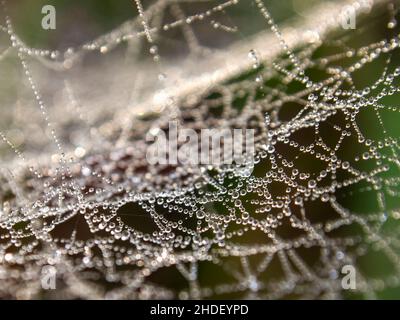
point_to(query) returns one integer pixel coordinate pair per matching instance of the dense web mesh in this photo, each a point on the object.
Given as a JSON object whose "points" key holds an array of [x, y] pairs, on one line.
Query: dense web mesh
{"points": [[77, 192]]}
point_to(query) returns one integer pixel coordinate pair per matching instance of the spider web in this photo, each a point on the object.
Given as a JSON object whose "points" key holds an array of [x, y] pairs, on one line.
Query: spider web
{"points": [[323, 192]]}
